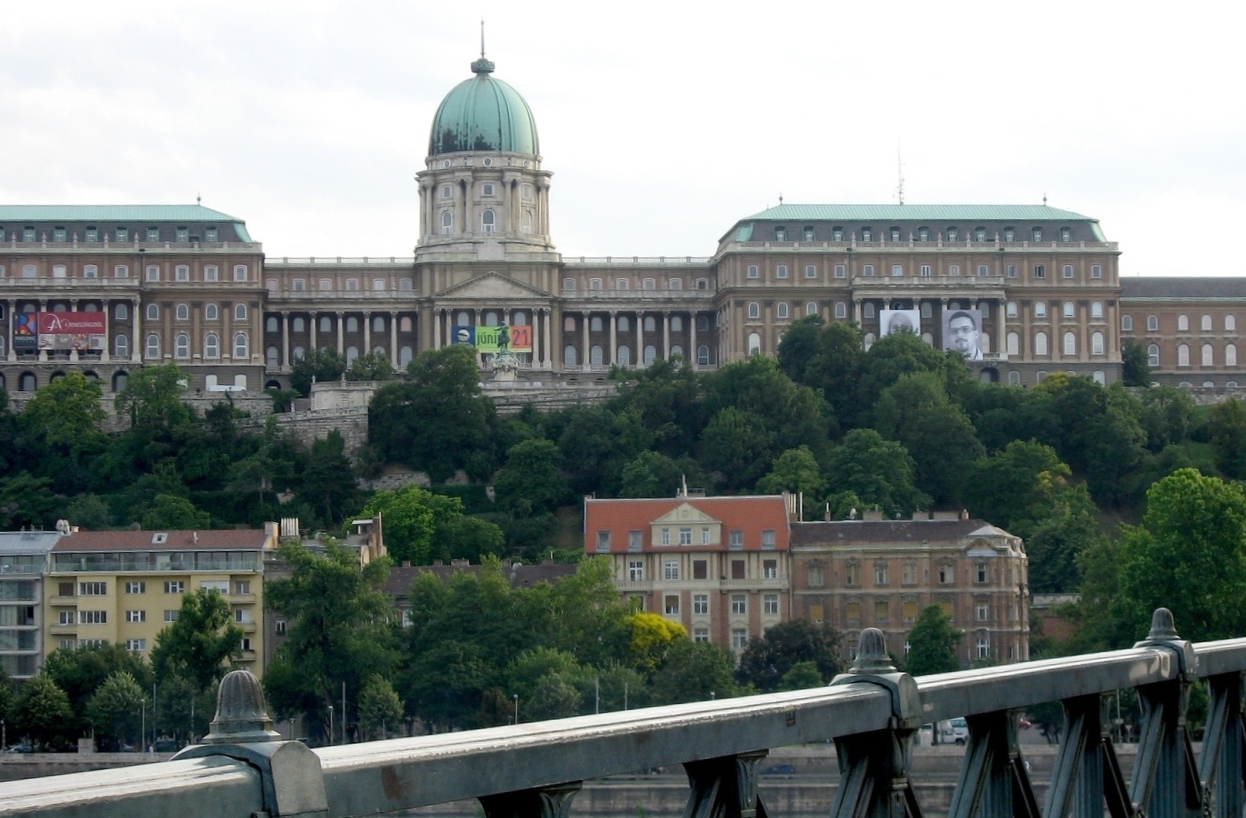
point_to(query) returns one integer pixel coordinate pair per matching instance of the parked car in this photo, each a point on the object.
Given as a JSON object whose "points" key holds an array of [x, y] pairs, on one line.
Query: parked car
{"points": [[953, 731]]}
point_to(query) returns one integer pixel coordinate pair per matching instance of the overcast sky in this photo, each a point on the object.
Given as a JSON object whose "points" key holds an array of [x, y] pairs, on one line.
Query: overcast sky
{"points": [[663, 123]]}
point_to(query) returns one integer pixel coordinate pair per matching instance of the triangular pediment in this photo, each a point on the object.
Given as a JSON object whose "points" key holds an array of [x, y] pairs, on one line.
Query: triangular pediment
{"points": [[684, 513], [492, 286]]}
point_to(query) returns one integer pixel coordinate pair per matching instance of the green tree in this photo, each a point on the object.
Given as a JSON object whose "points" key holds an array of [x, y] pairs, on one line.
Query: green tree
{"points": [[796, 470], [338, 632], [88, 512], [319, 366], [887, 359], [411, 517], [1189, 555], [794, 414], [767, 661], [802, 676], [26, 500], [531, 483], [115, 710], [651, 639], [800, 346], [328, 484], [80, 671], [370, 366], [41, 712], [650, 474], [184, 712], [1168, 416], [932, 644], [152, 398], [379, 707], [738, 446], [169, 512], [668, 402], [693, 672], [553, 698], [65, 419], [876, 472], [6, 695], [1135, 363], [202, 644], [440, 421], [1226, 428]]}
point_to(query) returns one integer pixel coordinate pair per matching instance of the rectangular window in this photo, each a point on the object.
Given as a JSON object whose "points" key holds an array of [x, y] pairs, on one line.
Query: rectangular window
{"points": [[980, 571], [701, 634], [700, 604], [242, 587], [984, 647], [136, 587], [815, 613], [603, 540], [242, 616], [841, 271], [685, 536], [852, 574], [739, 638], [910, 611], [770, 604], [752, 271], [946, 575], [666, 536], [92, 617], [240, 272], [171, 616], [174, 587], [880, 574], [635, 540], [672, 605], [280, 627], [811, 271], [983, 612], [65, 589], [221, 586], [136, 616], [1012, 271], [881, 611], [136, 645], [705, 535], [770, 569], [1040, 271], [670, 570], [92, 589], [780, 271], [739, 604], [767, 540], [909, 573], [246, 643], [700, 569], [68, 617], [735, 541], [636, 571], [852, 611], [67, 644], [737, 569]]}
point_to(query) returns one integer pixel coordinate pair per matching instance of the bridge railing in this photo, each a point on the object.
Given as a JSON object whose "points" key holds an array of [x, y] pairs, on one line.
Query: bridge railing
{"points": [[872, 714]]}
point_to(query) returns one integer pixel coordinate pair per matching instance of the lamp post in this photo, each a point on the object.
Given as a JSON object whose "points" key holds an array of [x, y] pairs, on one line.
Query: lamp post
{"points": [[330, 724], [142, 730], [516, 708]]}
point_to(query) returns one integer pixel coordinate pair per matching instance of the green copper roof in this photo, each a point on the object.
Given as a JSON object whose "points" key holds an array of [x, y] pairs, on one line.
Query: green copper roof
{"points": [[909, 212], [113, 213], [483, 114]]}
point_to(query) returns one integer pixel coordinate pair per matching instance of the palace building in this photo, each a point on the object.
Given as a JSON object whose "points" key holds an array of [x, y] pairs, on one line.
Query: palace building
{"points": [[1036, 289]]}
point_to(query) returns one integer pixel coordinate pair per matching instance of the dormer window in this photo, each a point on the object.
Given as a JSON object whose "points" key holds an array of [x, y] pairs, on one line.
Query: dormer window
{"points": [[837, 234], [93, 234], [159, 538], [1036, 233], [1010, 234], [923, 234], [895, 234], [183, 235], [1066, 234], [953, 234], [487, 189], [780, 234], [58, 235], [209, 234], [808, 234], [153, 234], [979, 234], [867, 234]]}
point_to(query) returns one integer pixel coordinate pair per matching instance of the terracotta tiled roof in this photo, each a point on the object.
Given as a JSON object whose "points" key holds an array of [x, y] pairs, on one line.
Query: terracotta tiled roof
{"points": [[750, 514], [520, 576], [240, 539], [899, 531]]}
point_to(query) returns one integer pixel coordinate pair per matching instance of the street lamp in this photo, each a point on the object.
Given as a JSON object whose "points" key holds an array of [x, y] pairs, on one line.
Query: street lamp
{"points": [[330, 724], [516, 708]]}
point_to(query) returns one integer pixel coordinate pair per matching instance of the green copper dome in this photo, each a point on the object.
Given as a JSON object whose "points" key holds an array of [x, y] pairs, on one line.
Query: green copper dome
{"points": [[483, 114]]}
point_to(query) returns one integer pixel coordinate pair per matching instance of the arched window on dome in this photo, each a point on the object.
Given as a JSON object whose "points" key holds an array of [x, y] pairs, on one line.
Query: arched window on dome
{"points": [[487, 221], [447, 222], [527, 221]]}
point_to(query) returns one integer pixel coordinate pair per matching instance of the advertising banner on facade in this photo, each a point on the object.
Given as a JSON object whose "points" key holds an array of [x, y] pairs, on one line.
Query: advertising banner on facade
{"points": [[26, 332], [962, 332], [494, 339], [71, 330], [897, 320]]}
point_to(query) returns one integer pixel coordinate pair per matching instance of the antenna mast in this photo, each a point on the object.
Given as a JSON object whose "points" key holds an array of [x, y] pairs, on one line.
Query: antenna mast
{"points": [[899, 175], [482, 38]]}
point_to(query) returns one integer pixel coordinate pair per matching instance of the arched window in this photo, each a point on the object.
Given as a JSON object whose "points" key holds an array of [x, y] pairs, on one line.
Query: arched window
{"points": [[1067, 270], [927, 310], [754, 343], [1206, 323], [594, 283], [241, 346], [326, 324], [651, 324], [527, 221], [780, 271], [121, 312], [754, 310], [1152, 323], [1230, 324], [1230, 354], [487, 221], [1011, 309], [676, 349], [1014, 344], [568, 323], [153, 346], [352, 324], [1040, 343], [1152, 355], [811, 271], [649, 284], [405, 324], [623, 284], [271, 356], [675, 284], [677, 323], [271, 325], [1183, 323], [1183, 355], [841, 309], [240, 272], [1096, 309], [1096, 343], [897, 269], [181, 272], [1070, 309], [568, 355], [121, 346], [378, 323], [650, 354], [595, 355], [27, 382], [624, 355], [404, 356], [594, 324], [928, 338], [298, 353], [1208, 355], [297, 324], [378, 285], [1070, 344], [181, 346], [153, 312], [240, 312], [1127, 323], [352, 353], [447, 222], [211, 346], [781, 309], [869, 310], [624, 324], [1040, 309], [703, 355]]}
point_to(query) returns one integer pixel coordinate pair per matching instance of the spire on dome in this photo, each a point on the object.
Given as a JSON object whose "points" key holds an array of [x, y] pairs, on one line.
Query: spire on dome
{"points": [[482, 65]]}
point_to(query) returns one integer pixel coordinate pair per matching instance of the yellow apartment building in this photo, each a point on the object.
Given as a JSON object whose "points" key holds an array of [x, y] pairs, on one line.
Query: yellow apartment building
{"points": [[124, 587]]}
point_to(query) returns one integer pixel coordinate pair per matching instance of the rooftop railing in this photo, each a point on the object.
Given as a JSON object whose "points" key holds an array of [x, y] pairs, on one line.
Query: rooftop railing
{"points": [[872, 713]]}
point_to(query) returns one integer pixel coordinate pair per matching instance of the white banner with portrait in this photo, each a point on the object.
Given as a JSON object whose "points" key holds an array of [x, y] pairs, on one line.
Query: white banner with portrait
{"points": [[891, 321], [962, 332]]}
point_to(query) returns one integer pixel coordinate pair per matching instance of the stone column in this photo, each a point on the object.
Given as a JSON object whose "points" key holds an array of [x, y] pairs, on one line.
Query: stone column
{"points": [[584, 358], [640, 340], [666, 335], [311, 332], [9, 353], [341, 329], [694, 355], [136, 352], [367, 332], [393, 339], [614, 338], [436, 329], [285, 338], [856, 311], [546, 340], [107, 305], [43, 307]]}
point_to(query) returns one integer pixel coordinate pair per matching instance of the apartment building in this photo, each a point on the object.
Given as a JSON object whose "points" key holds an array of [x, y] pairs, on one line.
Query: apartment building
{"points": [[23, 561]]}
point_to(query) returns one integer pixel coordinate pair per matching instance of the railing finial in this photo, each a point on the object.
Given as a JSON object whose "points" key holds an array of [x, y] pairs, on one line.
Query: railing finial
{"points": [[241, 713], [1162, 626], [872, 656]]}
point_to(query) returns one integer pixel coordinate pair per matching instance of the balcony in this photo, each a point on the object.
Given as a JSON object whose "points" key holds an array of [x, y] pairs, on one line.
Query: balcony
{"points": [[403, 262], [571, 263], [81, 287], [45, 247], [634, 585], [953, 285], [754, 584], [630, 299], [911, 245]]}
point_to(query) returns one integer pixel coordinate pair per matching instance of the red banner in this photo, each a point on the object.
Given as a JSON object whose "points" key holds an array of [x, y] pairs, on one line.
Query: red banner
{"points": [[72, 330]]}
